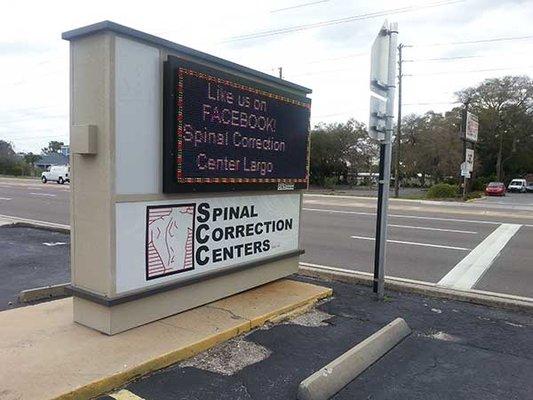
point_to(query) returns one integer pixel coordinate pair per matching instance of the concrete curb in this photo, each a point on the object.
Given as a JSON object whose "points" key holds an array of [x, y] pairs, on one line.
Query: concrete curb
{"points": [[46, 227], [9, 221], [112, 382], [333, 377], [45, 292], [490, 299]]}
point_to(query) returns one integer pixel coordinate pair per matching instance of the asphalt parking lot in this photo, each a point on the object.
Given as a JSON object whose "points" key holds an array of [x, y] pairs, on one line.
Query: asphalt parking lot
{"points": [[456, 351], [31, 258]]}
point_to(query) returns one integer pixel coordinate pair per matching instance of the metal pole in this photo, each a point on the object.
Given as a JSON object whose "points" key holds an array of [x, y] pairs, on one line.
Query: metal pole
{"points": [[465, 146], [384, 171], [398, 126], [280, 70]]}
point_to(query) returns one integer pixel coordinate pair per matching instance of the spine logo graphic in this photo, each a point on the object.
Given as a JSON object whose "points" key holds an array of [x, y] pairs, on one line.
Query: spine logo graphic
{"points": [[169, 239]]}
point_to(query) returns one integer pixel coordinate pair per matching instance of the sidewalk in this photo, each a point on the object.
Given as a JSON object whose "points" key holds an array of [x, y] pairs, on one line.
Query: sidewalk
{"points": [[456, 351], [45, 355]]}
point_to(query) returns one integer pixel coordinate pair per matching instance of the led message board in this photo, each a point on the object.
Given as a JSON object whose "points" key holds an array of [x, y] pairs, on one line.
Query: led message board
{"points": [[223, 132]]}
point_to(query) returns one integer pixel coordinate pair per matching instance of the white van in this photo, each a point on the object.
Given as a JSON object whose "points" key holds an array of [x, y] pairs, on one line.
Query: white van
{"points": [[517, 185], [56, 173]]}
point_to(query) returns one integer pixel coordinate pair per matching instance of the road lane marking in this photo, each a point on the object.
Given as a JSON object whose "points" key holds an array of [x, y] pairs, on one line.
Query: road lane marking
{"points": [[431, 229], [5, 198], [125, 395], [43, 194], [471, 268], [411, 216], [53, 244], [440, 246]]}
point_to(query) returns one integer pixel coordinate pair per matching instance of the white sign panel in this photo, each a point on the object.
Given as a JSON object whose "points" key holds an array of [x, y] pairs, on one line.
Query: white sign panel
{"points": [[469, 159], [167, 241], [472, 127], [379, 72]]}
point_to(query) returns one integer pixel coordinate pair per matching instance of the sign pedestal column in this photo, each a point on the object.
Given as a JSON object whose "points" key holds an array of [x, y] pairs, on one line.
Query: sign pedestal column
{"points": [[139, 254]]}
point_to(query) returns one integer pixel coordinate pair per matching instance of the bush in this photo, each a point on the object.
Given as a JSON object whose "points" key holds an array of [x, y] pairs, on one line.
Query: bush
{"points": [[330, 182], [442, 191], [474, 195]]}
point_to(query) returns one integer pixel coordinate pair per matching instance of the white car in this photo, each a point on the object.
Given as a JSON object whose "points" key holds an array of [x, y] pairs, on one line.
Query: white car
{"points": [[517, 185], [56, 173]]}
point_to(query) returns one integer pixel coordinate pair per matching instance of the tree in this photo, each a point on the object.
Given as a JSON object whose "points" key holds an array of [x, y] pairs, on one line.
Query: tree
{"points": [[431, 145], [504, 107], [53, 147], [6, 150], [338, 149], [31, 158], [10, 163]]}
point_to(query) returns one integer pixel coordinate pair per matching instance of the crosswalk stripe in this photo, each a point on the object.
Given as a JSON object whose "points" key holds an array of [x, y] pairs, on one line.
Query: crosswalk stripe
{"points": [[471, 268]]}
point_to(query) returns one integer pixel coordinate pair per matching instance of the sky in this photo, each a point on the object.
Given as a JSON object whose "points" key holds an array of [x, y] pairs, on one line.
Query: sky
{"points": [[330, 58]]}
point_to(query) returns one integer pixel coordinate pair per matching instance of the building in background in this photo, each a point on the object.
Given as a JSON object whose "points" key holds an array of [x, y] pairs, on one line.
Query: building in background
{"points": [[48, 160]]}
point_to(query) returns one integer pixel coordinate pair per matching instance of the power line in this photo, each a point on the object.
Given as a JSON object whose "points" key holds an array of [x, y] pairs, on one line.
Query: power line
{"points": [[468, 71], [20, 138], [35, 117], [441, 58], [299, 6], [491, 40], [431, 103], [358, 17], [321, 60]]}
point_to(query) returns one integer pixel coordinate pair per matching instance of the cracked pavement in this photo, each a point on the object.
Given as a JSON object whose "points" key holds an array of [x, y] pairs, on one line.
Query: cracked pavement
{"points": [[465, 351]]}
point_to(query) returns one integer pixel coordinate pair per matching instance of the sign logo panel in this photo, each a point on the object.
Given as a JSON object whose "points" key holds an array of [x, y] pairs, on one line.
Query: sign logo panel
{"points": [[169, 241]]}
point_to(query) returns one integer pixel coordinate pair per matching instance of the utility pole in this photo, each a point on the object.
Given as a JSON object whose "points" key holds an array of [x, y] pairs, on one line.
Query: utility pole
{"points": [[280, 70], [398, 125]]}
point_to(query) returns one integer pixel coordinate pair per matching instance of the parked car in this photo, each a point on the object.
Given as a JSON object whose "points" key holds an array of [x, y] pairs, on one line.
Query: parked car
{"points": [[495, 189], [529, 187], [56, 173], [517, 185]]}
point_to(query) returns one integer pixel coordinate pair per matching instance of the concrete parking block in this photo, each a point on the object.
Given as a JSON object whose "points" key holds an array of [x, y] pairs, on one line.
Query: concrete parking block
{"points": [[333, 377], [58, 359], [45, 292]]}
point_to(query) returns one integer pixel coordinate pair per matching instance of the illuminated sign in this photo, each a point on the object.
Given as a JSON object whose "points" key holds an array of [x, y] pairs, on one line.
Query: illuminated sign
{"points": [[223, 132]]}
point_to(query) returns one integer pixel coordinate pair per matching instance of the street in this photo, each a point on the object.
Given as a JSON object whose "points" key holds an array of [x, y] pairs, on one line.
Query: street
{"points": [[428, 241], [31, 199]]}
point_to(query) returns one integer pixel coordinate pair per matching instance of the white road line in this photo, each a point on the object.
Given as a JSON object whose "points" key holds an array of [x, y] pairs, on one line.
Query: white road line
{"points": [[125, 395], [440, 246], [5, 198], [472, 221], [431, 229], [471, 268], [43, 194]]}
